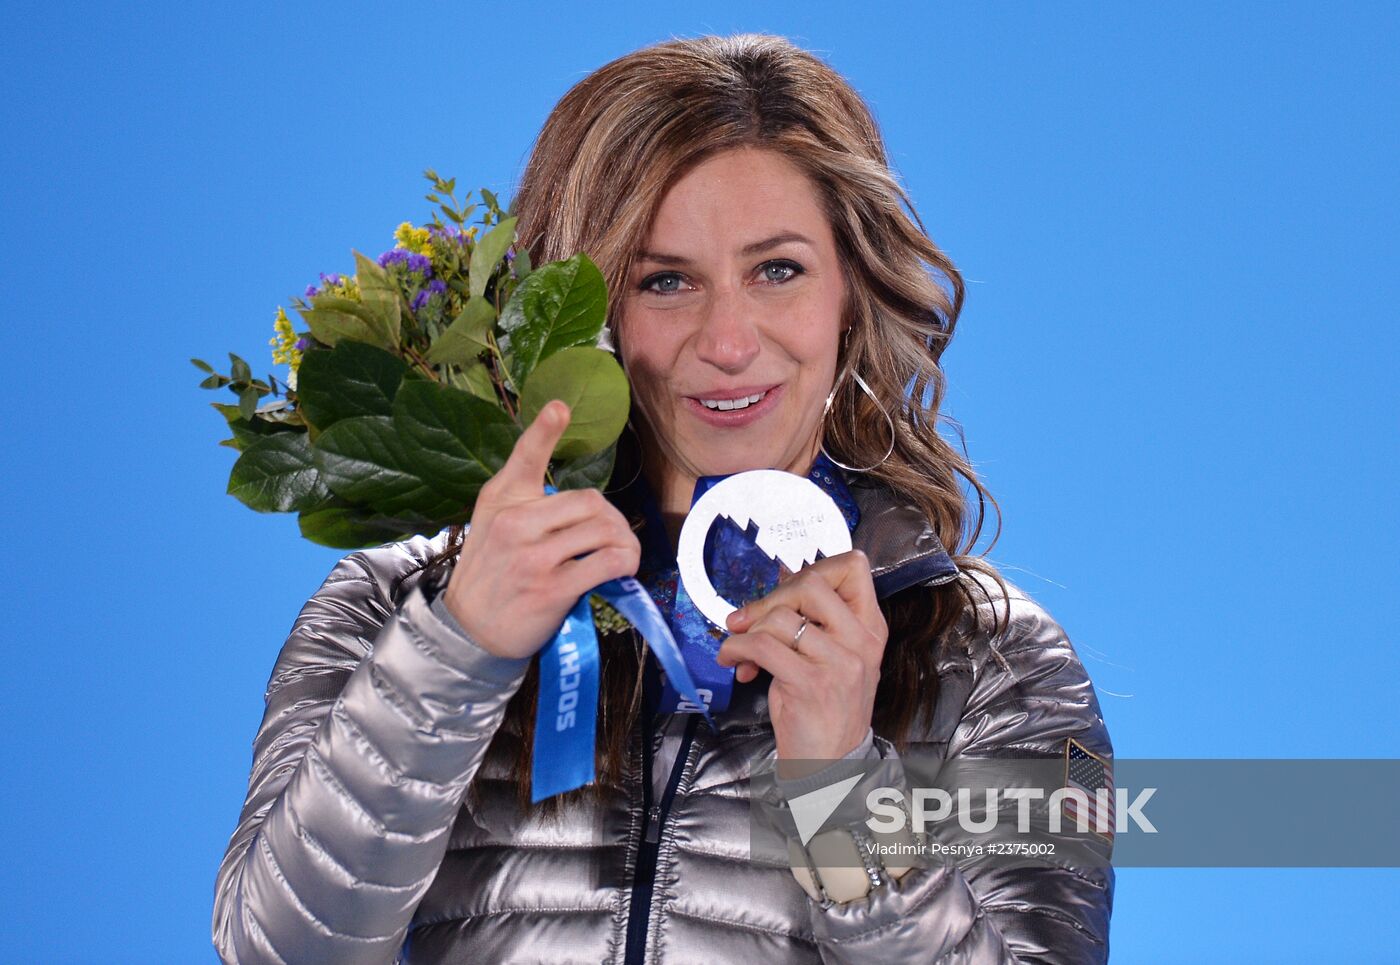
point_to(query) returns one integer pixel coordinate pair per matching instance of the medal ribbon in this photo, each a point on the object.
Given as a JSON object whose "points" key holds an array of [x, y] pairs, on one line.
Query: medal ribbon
{"points": [[566, 716]]}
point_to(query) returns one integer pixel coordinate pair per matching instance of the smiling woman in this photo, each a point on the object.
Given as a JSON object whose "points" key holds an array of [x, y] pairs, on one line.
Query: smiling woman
{"points": [[733, 347], [777, 305]]}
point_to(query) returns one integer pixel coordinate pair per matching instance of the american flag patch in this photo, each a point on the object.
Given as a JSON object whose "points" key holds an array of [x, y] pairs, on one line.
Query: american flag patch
{"points": [[1093, 775]]}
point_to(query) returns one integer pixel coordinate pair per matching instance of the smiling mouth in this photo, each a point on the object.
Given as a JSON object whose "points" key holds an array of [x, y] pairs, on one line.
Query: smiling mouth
{"points": [[726, 405]]}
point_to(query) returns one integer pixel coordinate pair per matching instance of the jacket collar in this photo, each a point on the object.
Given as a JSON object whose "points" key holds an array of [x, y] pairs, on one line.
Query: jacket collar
{"points": [[899, 540]]}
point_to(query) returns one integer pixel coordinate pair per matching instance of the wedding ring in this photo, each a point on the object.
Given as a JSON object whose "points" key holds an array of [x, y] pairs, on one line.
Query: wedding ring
{"points": [[798, 635]]}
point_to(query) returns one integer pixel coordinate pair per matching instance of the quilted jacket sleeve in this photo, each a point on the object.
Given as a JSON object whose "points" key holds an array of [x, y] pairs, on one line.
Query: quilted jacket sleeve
{"points": [[377, 718], [980, 914]]}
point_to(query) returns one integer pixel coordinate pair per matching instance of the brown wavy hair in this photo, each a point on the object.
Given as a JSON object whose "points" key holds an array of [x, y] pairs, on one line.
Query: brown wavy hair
{"points": [[604, 160]]}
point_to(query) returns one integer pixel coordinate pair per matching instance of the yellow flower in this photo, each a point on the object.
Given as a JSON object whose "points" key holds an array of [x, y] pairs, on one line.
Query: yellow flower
{"points": [[284, 343], [413, 239]]}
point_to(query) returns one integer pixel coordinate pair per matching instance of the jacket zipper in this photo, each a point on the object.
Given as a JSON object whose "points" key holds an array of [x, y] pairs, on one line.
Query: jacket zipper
{"points": [[644, 880]]}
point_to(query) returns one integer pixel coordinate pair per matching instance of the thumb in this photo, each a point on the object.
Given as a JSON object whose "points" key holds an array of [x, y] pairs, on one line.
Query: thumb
{"points": [[529, 459]]}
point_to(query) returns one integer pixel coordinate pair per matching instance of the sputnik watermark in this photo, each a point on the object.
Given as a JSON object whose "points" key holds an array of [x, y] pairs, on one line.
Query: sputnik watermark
{"points": [[888, 816], [1066, 808], [1078, 809]]}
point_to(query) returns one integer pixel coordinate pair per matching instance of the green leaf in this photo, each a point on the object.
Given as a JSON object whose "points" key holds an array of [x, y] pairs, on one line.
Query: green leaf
{"points": [[277, 475], [479, 384], [379, 295], [588, 472], [248, 402], [561, 304], [333, 318], [490, 199], [364, 461], [352, 379], [243, 438], [455, 441], [488, 251], [202, 365], [465, 338], [213, 382], [521, 264], [595, 388], [240, 371], [245, 432], [351, 529]]}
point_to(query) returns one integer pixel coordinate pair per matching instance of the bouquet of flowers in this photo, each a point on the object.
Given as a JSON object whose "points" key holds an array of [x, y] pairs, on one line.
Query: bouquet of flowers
{"points": [[415, 375]]}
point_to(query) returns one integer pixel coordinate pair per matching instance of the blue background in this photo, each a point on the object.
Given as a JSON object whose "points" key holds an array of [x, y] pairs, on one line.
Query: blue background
{"points": [[1175, 370]]}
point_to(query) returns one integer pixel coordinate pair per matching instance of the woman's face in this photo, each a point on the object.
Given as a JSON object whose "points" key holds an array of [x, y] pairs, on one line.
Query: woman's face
{"points": [[731, 322]]}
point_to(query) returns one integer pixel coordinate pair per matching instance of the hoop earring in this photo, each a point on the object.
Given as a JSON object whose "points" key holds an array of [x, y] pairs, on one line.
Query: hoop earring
{"points": [[826, 411]]}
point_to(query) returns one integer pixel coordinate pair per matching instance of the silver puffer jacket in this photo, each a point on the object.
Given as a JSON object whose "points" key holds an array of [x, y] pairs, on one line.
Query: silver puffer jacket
{"points": [[354, 844]]}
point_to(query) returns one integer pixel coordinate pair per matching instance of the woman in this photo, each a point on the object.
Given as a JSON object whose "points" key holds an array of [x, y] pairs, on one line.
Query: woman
{"points": [[773, 305]]}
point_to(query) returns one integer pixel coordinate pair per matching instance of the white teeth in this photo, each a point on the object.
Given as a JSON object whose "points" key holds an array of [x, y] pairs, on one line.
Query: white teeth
{"points": [[724, 405]]}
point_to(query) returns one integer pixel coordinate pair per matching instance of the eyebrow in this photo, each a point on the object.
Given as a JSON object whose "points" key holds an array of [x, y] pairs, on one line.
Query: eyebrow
{"points": [[755, 248]]}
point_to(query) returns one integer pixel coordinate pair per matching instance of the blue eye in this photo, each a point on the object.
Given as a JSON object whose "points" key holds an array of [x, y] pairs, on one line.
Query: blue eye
{"points": [[661, 283], [792, 268], [670, 282]]}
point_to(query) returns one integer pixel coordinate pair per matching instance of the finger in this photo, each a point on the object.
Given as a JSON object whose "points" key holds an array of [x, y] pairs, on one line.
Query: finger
{"points": [[529, 459], [816, 644], [577, 577], [783, 624], [521, 523], [539, 518], [819, 650], [584, 537], [849, 575], [774, 656], [811, 597], [822, 591]]}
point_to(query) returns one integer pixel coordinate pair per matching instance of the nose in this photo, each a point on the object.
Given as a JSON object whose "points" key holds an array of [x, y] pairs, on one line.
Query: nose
{"points": [[728, 337]]}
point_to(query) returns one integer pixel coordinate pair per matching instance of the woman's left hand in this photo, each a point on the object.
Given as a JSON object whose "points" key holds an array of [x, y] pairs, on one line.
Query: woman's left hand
{"points": [[822, 698]]}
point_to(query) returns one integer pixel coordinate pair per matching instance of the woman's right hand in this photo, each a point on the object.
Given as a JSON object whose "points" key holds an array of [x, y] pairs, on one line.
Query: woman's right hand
{"points": [[517, 575]]}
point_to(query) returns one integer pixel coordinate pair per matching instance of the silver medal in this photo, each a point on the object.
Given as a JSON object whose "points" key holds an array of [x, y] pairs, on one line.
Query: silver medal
{"points": [[796, 521]]}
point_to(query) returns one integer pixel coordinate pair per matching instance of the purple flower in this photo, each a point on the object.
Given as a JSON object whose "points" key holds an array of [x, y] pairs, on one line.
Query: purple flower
{"points": [[327, 281], [414, 262], [435, 287], [302, 345]]}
